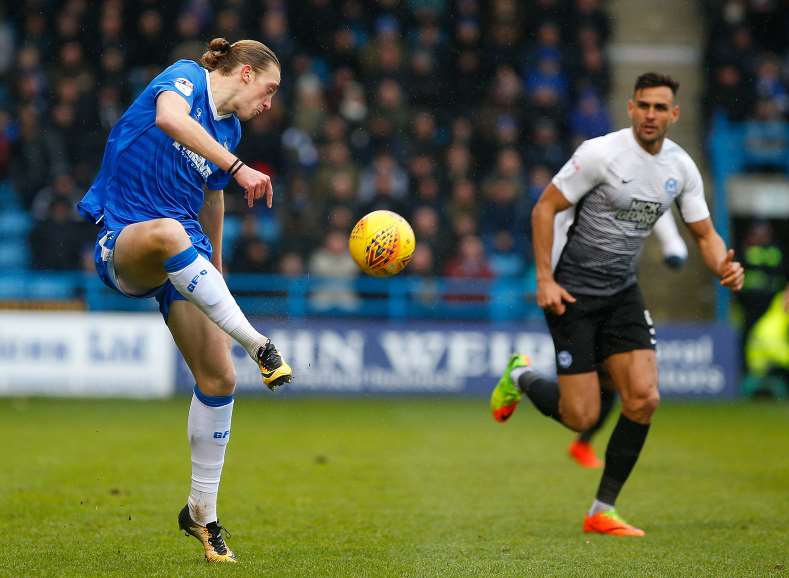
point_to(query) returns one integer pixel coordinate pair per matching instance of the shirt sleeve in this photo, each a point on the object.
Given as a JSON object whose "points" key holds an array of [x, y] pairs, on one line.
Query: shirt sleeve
{"points": [[184, 78], [218, 180], [692, 203], [582, 173]]}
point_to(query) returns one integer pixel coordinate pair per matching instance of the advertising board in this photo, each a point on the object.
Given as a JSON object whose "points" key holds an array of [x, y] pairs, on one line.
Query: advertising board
{"points": [[78, 354], [374, 357]]}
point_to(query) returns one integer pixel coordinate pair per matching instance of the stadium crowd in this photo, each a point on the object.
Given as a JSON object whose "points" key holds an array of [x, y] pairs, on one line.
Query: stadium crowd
{"points": [[747, 79], [748, 59], [454, 113]]}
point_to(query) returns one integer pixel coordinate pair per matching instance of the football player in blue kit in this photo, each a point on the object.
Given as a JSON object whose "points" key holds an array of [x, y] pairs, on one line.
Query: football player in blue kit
{"points": [[158, 198]]}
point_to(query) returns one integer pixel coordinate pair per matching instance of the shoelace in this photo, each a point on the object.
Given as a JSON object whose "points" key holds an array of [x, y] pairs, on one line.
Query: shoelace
{"points": [[270, 356], [216, 540]]}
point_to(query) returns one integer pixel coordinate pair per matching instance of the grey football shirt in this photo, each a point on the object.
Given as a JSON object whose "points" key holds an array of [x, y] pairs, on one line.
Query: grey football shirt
{"points": [[618, 192]]}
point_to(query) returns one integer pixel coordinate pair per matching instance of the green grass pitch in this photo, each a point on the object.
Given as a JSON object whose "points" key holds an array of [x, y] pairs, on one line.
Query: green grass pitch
{"points": [[398, 487]]}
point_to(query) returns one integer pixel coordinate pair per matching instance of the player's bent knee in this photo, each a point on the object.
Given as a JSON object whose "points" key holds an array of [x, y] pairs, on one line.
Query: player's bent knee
{"points": [[167, 235], [641, 407], [219, 384], [580, 420]]}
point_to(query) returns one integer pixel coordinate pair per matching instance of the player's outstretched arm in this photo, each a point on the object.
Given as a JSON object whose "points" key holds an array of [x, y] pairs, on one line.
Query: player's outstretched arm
{"points": [[550, 295], [716, 257], [172, 117]]}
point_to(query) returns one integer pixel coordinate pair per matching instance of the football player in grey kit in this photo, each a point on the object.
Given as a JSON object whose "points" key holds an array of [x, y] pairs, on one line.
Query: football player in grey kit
{"points": [[616, 187]]}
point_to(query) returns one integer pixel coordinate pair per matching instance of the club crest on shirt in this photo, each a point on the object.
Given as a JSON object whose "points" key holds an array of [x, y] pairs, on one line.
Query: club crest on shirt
{"points": [[671, 186], [184, 86], [642, 213]]}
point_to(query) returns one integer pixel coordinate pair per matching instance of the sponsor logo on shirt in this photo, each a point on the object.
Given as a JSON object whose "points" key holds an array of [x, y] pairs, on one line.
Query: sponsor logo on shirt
{"points": [[671, 186], [642, 213], [184, 86], [197, 162]]}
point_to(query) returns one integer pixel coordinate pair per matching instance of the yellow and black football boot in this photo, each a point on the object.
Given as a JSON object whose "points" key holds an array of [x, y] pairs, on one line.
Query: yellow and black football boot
{"points": [[210, 537], [275, 372]]}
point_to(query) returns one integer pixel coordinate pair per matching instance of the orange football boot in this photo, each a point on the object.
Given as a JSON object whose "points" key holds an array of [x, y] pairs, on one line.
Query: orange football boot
{"points": [[610, 523], [583, 454]]}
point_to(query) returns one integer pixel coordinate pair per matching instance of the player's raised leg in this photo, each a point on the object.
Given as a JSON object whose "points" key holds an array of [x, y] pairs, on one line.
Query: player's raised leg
{"points": [[574, 401], [206, 350], [149, 253], [635, 375]]}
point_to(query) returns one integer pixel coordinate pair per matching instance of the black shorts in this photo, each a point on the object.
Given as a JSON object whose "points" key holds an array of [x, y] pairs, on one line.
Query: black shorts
{"points": [[594, 328]]}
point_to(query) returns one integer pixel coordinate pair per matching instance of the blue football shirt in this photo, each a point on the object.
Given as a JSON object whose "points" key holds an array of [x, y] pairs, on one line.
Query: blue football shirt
{"points": [[144, 173]]}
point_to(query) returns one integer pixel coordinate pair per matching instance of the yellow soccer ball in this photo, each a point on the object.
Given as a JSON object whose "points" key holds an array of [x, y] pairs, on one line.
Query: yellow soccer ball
{"points": [[382, 243]]}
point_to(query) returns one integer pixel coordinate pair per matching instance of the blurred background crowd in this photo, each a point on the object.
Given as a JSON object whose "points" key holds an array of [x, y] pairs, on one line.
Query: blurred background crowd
{"points": [[454, 113]]}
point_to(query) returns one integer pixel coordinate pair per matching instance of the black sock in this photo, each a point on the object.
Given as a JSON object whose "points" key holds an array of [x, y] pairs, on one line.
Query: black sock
{"points": [[620, 457], [543, 394], [607, 400]]}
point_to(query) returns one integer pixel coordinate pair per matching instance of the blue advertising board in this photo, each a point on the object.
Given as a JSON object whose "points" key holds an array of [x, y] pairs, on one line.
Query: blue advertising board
{"points": [[376, 357]]}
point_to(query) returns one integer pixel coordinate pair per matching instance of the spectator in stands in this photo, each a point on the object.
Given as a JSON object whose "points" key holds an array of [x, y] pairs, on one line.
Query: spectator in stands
{"points": [[766, 138], [594, 71], [467, 71], [770, 85], [333, 263], [505, 258], [291, 265], [547, 73], [383, 197], [309, 109], [502, 212], [274, 27], [546, 148], [250, 253], [39, 156], [589, 118], [58, 241], [252, 256], [732, 95], [390, 103], [470, 260], [427, 225], [766, 271], [423, 264], [335, 159], [539, 178], [383, 164], [62, 187], [590, 14], [459, 164]]}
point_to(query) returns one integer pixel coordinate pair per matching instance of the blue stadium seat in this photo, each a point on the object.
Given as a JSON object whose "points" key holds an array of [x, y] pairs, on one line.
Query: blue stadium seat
{"points": [[8, 198], [230, 232], [14, 254], [14, 223]]}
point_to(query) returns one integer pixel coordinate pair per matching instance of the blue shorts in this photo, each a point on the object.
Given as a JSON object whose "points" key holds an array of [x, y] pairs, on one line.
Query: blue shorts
{"points": [[165, 294]]}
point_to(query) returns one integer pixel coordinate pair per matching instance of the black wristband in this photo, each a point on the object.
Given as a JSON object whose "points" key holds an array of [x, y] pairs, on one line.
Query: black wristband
{"points": [[237, 164]]}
